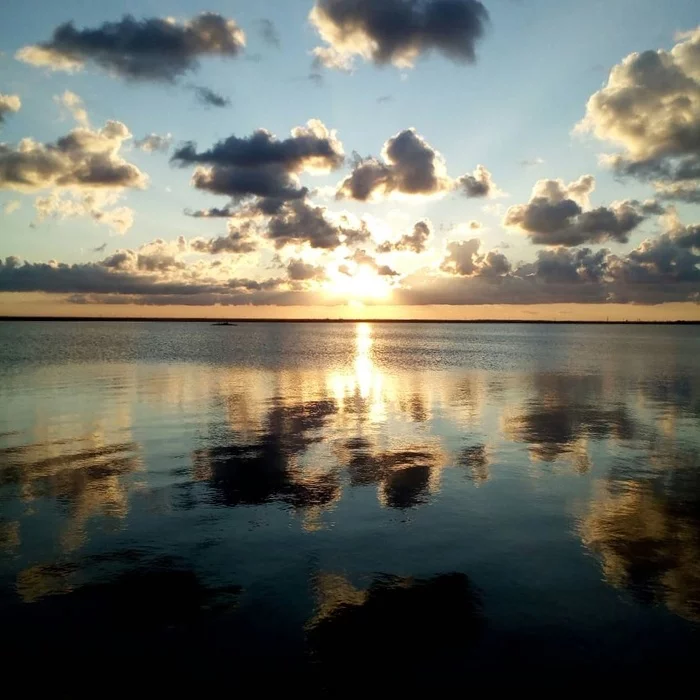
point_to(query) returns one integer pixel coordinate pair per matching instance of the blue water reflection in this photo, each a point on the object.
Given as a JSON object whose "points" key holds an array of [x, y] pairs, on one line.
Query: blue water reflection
{"points": [[312, 496]]}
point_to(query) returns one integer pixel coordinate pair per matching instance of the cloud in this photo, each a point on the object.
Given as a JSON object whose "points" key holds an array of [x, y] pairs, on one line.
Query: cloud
{"points": [[463, 258], [650, 107], [688, 192], [555, 215], [299, 222], [238, 241], [531, 162], [209, 97], [91, 204], [661, 269], [12, 206], [83, 159], [417, 240], [262, 165], [268, 32], [362, 259], [397, 31], [8, 105], [299, 271], [74, 104], [409, 166], [154, 142], [152, 274], [478, 184], [150, 49]]}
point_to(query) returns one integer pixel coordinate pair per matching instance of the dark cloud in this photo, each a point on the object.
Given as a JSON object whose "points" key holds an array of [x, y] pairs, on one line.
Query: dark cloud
{"points": [[312, 147], [152, 274], [410, 166], [262, 165], [84, 158], [8, 105], [237, 242], [299, 271], [650, 107], [571, 267], [209, 97], [213, 213], [268, 32], [478, 184], [149, 49], [417, 240], [397, 31], [300, 222], [555, 215], [154, 142]]}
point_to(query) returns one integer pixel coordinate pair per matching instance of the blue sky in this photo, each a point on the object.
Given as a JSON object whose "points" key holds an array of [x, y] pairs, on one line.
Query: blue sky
{"points": [[538, 64]]}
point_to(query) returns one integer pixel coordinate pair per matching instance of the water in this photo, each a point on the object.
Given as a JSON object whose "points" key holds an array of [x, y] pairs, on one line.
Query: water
{"points": [[341, 506]]}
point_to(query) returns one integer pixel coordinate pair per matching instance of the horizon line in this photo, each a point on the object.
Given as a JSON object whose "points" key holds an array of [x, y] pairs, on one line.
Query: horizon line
{"points": [[190, 319]]}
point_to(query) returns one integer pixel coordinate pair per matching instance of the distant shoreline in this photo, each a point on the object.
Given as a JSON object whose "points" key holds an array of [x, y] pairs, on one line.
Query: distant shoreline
{"points": [[122, 319]]}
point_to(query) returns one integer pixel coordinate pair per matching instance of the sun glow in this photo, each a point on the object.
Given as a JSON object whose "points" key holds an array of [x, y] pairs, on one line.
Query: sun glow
{"points": [[364, 283]]}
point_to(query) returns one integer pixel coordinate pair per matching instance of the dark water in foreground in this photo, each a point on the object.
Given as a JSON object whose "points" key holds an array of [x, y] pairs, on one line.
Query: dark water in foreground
{"points": [[350, 506]]}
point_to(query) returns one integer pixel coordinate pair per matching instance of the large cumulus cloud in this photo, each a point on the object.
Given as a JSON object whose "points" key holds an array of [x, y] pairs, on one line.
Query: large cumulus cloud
{"points": [[558, 214], [397, 31], [409, 166], [262, 165], [84, 158], [650, 107], [148, 49], [83, 171]]}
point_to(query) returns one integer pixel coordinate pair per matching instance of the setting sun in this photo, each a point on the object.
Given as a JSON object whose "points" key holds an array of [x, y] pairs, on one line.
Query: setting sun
{"points": [[365, 283]]}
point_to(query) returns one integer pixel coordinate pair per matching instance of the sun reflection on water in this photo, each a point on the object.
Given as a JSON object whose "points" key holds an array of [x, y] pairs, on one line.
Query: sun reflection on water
{"points": [[365, 381]]}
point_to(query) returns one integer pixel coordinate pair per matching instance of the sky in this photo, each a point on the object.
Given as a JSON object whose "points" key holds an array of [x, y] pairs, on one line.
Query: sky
{"points": [[351, 159]]}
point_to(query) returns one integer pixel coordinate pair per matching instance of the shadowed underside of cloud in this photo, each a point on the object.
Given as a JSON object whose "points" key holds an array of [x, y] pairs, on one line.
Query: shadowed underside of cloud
{"points": [[396, 31], [409, 166], [650, 107], [415, 242], [84, 158], [262, 165], [478, 184], [556, 215], [149, 49]]}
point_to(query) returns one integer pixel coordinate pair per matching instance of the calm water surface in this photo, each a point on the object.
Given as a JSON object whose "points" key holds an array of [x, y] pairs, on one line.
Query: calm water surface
{"points": [[339, 506]]}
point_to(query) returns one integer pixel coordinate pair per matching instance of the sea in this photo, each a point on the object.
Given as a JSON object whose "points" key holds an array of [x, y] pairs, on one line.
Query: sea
{"points": [[343, 508]]}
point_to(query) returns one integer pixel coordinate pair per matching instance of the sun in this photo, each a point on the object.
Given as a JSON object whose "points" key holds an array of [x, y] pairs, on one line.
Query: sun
{"points": [[364, 283]]}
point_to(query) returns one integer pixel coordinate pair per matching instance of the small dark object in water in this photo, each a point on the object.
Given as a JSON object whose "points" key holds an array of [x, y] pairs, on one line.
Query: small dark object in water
{"points": [[224, 323]]}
